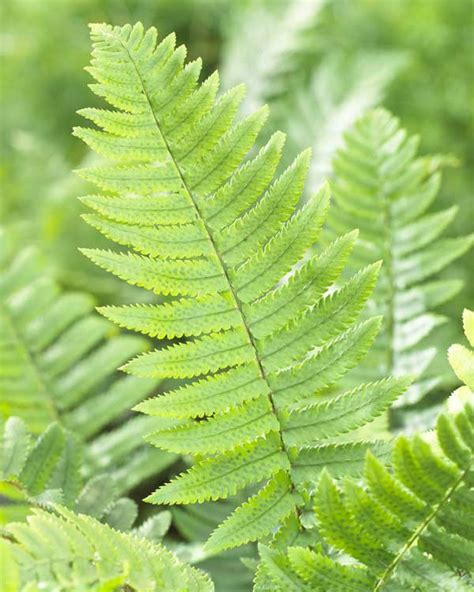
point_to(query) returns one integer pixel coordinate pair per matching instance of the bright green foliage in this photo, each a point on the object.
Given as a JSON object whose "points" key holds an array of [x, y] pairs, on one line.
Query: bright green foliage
{"points": [[219, 234], [63, 551], [59, 364], [411, 528], [384, 189]]}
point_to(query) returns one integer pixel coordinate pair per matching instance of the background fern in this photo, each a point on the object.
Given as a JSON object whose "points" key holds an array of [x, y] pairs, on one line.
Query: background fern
{"points": [[315, 90], [59, 364], [384, 189], [272, 66], [200, 217], [407, 529]]}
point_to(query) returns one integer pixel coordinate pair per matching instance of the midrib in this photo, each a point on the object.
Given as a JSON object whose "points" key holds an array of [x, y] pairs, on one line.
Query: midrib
{"points": [[233, 293]]}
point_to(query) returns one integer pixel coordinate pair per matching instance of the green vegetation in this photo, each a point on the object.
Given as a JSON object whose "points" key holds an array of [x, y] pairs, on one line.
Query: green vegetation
{"points": [[266, 404]]}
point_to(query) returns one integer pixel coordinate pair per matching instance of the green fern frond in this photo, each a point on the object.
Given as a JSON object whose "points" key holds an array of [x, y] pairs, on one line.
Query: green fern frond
{"points": [[59, 365], [217, 232], [65, 551], [406, 529], [384, 189]]}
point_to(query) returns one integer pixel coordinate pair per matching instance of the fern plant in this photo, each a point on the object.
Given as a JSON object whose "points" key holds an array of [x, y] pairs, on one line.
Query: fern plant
{"points": [[218, 233], [406, 529], [59, 364], [64, 551], [384, 189]]}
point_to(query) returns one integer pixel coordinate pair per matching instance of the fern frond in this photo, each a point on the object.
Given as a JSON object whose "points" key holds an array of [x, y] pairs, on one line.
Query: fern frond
{"points": [[259, 338], [67, 551], [384, 189], [410, 528], [59, 365]]}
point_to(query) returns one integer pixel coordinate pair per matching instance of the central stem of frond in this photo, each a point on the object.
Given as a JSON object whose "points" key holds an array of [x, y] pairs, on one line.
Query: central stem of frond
{"points": [[232, 292]]}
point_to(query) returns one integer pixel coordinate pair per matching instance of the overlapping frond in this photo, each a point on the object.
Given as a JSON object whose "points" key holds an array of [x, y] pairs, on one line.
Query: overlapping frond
{"points": [[409, 528], [218, 232], [384, 189], [64, 551], [59, 364]]}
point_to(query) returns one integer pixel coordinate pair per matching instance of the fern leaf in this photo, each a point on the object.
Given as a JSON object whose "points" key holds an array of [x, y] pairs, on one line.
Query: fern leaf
{"points": [[257, 517], [16, 444], [341, 459], [43, 457], [344, 413], [384, 189], [256, 332], [51, 471]]}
